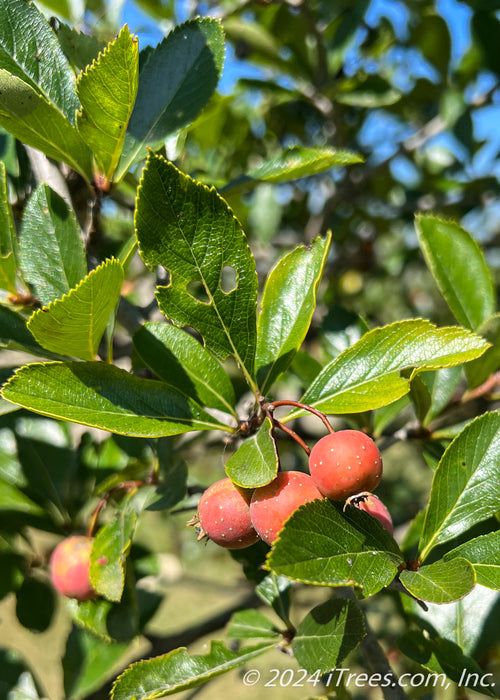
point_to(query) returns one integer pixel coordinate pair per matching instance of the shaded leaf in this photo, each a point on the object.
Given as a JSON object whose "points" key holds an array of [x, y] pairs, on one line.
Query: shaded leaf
{"points": [[106, 397], [255, 463], [109, 553], [80, 48], [8, 239], [12, 498], [51, 246], [15, 335], [463, 488], [107, 90], [441, 582], [479, 370], [327, 634], [459, 269], [275, 591], [190, 231], [483, 553], [35, 604], [74, 325], [176, 671], [181, 361], [287, 306]]}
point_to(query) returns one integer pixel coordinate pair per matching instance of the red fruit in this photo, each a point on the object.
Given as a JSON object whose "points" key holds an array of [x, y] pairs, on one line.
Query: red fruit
{"points": [[345, 463], [273, 504], [372, 504], [69, 568], [224, 515]]}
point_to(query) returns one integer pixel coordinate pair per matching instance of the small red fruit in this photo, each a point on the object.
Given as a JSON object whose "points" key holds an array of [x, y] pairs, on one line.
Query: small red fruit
{"points": [[69, 568], [224, 515], [373, 505], [274, 503], [345, 463]]}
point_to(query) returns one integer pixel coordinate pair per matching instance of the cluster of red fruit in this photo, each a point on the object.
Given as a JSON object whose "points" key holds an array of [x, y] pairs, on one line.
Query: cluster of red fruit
{"points": [[344, 466]]}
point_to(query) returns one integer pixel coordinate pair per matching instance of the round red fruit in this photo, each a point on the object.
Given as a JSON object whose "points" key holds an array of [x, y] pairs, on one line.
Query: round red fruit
{"points": [[70, 568], [345, 463], [224, 515], [373, 505], [274, 503]]}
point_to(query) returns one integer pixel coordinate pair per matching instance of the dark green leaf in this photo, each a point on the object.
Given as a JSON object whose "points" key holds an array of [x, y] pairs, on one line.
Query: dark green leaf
{"points": [[106, 397], [464, 489], [81, 49], [328, 634], [51, 246], [74, 325], [432, 37], [275, 591], [107, 91], [176, 671], [15, 335], [181, 361], [8, 240], [367, 374], [479, 370], [35, 603], [12, 498], [190, 231], [441, 582], [459, 268], [251, 624], [484, 554], [255, 463], [287, 307], [322, 546], [29, 50], [175, 82], [109, 554]]}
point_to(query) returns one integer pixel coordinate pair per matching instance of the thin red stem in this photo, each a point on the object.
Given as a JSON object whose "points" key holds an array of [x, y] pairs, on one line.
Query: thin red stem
{"points": [[292, 434], [297, 404], [103, 502]]}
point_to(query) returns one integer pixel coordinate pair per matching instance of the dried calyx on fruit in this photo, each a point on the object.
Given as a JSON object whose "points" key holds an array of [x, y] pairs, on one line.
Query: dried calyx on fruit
{"points": [[224, 516], [373, 505], [344, 463]]}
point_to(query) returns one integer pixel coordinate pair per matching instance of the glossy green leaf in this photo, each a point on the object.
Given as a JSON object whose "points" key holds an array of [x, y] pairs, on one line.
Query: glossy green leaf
{"points": [[320, 545], [107, 90], [109, 554], [177, 671], [51, 246], [35, 121], [275, 591], [287, 307], [75, 324], [293, 163], [30, 51], [459, 268], [441, 582], [465, 484], [251, 624], [182, 361], [103, 396], [190, 231], [483, 553], [328, 634], [12, 498], [479, 370], [255, 463], [366, 375], [175, 82]]}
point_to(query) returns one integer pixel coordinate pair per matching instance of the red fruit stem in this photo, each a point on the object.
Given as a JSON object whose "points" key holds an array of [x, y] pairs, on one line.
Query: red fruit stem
{"points": [[124, 486], [292, 434], [297, 404]]}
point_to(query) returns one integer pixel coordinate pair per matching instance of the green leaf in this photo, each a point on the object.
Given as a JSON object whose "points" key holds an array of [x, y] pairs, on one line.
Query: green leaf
{"points": [[320, 545], [328, 634], [293, 163], [30, 51], [432, 391], [366, 375], [109, 554], [287, 307], [275, 591], [80, 48], [181, 361], [459, 268], [251, 624], [107, 90], [15, 335], [103, 396], [12, 498], [177, 671], [74, 325], [176, 81], [51, 246], [432, 37], [441, 582], [484, 554], [8, 270], [190, 231], [35, 603], [28, 116], [255, 463], [465, 484], [479, 370], [8, 238]]}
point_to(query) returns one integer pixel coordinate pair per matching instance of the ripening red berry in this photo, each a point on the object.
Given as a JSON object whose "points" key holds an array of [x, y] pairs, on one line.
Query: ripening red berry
{"points": [[344, 463], [70, 568], [373, 505], [224, 515], [274, 503]]}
